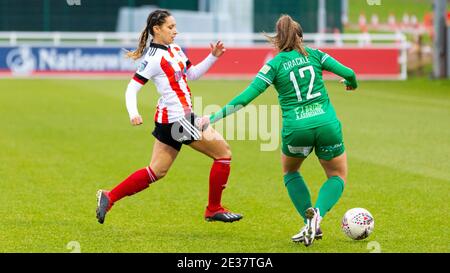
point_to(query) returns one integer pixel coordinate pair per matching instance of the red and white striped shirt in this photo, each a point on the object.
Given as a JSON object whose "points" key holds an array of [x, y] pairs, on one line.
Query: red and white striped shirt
{"points": [[168, 67]]}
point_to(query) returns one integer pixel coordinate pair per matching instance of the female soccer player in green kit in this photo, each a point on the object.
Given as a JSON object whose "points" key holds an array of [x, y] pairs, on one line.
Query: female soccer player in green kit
{"points": [[309, 120]]}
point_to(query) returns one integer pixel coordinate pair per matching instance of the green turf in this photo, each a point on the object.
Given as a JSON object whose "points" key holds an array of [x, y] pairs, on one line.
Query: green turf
{"points": [[61, 140], [396, 7]]}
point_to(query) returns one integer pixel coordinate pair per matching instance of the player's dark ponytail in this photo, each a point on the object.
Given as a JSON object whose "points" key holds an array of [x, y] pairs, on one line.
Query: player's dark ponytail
{"points": [[156, 18], [289, 35]]}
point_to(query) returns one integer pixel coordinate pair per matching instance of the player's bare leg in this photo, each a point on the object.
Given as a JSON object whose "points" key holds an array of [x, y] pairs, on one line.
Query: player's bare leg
{"points": [[291, 164], [336, 167], [162, 158], [213, 145]]}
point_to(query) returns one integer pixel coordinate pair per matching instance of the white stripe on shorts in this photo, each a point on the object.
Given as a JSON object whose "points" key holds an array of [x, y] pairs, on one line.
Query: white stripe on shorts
{"points": [[191, 129]]}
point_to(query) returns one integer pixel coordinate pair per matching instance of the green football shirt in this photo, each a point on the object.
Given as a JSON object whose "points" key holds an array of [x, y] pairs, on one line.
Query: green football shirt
{"points": [[301, 91]]}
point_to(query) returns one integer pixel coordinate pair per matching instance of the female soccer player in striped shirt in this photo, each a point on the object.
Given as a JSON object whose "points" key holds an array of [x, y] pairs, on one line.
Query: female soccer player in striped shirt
{"points": [[175, 124], [309, 120]]}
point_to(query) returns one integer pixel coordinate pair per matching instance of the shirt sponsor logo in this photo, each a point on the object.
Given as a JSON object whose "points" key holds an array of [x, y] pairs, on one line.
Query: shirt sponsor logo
{"points": [[308, 111]]}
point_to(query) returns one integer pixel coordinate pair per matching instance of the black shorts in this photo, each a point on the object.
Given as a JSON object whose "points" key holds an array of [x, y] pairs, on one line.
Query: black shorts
{"points": [[178, 133]]}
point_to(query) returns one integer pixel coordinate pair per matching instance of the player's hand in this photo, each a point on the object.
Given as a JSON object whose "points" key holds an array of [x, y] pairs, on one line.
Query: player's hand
{"points": [[347, 87], [218, 49], [137, 120], [202, 123]]}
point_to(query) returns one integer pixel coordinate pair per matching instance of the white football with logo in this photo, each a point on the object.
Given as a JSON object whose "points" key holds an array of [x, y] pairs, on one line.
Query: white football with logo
{"points": [[357, 223]]}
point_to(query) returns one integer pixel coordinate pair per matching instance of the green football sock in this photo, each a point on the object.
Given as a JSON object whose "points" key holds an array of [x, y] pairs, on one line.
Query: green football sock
{"points": [[298, 192], [329, 194]]}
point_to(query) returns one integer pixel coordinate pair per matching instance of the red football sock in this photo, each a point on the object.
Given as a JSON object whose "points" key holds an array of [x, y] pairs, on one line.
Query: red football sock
{"points": [[135, 183], [218, 178]]}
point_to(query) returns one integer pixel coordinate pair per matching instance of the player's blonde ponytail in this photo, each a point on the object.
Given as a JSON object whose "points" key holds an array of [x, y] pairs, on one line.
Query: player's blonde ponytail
{"points": [[289, 35], [156, 18]]}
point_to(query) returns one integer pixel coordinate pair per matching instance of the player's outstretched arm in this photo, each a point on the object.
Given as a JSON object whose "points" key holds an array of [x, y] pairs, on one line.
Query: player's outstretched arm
{"points": [[196, 71], [240, 101], [332, 65]]}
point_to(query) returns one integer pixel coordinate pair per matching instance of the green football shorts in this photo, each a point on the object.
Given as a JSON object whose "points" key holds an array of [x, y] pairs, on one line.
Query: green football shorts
{"points": [[326, 140]]}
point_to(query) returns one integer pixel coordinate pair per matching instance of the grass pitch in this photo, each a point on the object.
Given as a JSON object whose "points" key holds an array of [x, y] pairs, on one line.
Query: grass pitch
{"points": [[61, 140], [386, 7]]}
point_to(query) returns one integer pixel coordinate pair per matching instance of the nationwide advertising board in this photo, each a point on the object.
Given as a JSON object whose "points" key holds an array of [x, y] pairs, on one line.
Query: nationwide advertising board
{"points": [[243, 62]]}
